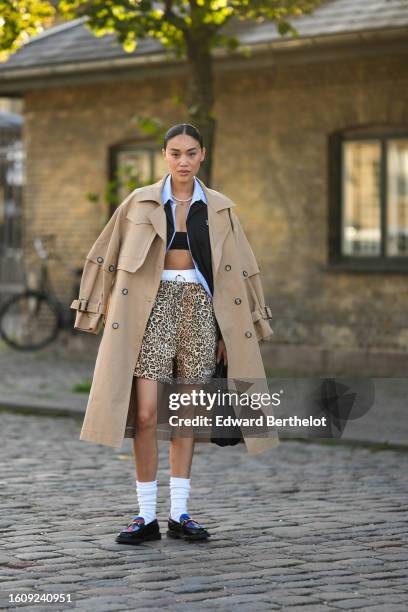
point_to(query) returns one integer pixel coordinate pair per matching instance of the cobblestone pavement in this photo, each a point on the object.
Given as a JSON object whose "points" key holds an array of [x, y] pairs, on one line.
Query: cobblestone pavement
{"points": [[304, 527]]}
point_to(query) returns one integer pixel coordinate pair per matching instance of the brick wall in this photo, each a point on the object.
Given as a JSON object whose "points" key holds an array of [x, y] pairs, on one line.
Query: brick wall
{"points": [[270, 157]]}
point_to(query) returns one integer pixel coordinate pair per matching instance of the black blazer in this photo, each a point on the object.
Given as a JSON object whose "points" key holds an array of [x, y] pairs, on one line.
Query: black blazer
{"points": [[198, 237]]}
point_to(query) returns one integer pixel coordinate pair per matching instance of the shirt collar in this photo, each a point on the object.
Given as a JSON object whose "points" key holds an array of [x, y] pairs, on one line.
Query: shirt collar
{"points": [[198, 193]]}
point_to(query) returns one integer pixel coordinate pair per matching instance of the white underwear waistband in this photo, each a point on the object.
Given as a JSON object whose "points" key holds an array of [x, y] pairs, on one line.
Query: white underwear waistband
{"points": [[189, 276]]}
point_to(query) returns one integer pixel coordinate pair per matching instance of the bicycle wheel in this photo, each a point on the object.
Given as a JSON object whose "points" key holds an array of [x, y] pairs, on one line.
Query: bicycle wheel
{"points": [[29, 321]]}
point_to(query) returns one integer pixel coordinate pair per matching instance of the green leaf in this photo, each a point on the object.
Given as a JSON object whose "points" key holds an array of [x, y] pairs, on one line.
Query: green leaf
{"points": [[129, 45]]}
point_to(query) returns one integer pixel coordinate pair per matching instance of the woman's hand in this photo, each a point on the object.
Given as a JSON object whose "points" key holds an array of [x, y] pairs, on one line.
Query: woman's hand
{"points": [[222, 352]]}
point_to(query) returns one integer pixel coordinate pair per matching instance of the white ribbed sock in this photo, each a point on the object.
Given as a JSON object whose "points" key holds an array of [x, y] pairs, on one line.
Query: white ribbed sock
{"points": [[179, 492], [147, 498]]}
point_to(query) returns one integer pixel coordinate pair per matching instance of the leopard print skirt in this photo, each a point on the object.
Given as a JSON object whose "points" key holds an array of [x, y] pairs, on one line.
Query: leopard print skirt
{"points": [[180, 339]]}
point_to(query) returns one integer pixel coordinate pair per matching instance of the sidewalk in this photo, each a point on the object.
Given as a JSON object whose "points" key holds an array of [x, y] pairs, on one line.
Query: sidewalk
{"points": [[44, 381]]}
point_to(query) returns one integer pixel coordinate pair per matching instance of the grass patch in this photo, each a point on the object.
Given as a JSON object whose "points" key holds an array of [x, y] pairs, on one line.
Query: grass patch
{"points": [[83, 387]]}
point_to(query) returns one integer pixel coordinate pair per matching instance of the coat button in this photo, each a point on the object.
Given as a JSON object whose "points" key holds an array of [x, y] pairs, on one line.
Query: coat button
{"points": [[115, 325], [99, 259], [244, 272], [248, 334], [111, 268], [124, 291], [228, 267], [237, 300]]}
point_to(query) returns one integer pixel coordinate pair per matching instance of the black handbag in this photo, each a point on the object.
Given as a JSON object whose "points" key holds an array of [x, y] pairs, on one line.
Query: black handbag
{"points": [[224, 435]]}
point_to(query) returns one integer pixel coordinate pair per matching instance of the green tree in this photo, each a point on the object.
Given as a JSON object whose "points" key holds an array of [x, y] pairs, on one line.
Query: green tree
{"points": [[21, 19], [190, 29]]}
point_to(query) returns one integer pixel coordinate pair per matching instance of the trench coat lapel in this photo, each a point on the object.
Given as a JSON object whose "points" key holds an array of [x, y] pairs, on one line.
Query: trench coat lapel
{"points": [[218, 224]]}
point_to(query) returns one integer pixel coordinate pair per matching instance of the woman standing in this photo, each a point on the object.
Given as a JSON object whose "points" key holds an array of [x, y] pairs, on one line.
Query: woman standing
{"points": [[181, 317], [182, 326]]}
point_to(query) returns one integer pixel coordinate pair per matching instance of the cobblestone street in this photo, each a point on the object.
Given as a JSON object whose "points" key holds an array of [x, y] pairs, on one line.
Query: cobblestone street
{"points": [[304, 527]]}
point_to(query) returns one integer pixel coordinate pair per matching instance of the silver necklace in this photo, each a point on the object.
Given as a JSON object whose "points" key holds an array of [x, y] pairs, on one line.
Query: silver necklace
{"points": [[178, 199]]}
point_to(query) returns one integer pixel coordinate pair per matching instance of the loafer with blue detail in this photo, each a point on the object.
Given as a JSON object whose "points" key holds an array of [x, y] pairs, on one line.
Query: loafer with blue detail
{"points": [[137, 531], [187, 529]]}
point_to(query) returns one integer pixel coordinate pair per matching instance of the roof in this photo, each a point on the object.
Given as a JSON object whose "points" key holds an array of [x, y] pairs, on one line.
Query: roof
{"points": [[70, 46]]}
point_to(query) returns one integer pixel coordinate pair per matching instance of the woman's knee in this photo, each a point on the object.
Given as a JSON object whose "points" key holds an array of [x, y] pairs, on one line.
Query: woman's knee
{"points": [[146, 399], [146, 416]]}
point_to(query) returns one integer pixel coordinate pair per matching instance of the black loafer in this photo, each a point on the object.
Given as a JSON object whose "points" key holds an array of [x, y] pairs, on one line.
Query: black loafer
{"points": [[137, 531], [187, 529]]}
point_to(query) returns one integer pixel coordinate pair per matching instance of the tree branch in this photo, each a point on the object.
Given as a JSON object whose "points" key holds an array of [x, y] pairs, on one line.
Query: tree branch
{"points": [[172, 18]]}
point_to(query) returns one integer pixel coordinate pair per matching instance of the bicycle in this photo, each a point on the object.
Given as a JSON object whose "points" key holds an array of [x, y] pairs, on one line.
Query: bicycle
{"points": [[33, 318]]}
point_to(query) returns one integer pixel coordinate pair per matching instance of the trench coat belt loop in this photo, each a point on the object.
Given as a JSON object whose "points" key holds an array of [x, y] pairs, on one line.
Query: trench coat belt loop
{"points": [[83, 305], [268, 312], [261, 313]]}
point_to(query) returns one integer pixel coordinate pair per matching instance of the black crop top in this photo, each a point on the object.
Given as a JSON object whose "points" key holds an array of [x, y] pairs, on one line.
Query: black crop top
{"points": [[179, 241]]}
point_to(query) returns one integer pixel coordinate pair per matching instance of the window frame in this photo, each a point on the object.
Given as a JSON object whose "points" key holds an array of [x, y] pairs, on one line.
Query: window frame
{"points": [[336, 260], [130, 145]]}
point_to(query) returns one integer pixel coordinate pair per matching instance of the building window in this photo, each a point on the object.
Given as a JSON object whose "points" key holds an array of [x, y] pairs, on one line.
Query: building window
{"points": [[132, 165], [369, 199]]}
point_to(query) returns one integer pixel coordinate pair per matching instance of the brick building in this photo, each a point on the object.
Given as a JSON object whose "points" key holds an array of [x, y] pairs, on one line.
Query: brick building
{"points": [[316, 129]]}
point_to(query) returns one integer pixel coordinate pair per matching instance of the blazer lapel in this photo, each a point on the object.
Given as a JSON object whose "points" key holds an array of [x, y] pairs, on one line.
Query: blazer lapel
{"points": [[219, 224]]}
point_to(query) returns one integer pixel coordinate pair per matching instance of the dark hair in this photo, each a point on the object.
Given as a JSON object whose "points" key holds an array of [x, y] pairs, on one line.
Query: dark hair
{"points": [[182, 128]]}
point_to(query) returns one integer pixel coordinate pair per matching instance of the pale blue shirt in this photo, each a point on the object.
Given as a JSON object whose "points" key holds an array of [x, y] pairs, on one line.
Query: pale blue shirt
{"points": [[198, 194]]}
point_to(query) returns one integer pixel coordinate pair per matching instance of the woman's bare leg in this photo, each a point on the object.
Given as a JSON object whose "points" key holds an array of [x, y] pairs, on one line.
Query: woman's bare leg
{"points": [[181, 457], [145, 440], [182, 446]]}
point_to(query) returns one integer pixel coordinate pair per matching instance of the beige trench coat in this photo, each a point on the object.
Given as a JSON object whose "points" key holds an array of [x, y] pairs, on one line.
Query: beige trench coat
{"points": [[120, 280]]}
